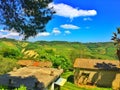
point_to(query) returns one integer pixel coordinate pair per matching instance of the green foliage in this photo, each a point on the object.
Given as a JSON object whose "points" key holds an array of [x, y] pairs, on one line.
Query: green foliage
{"points": [[3, 87], [7, 64], [101, 50], [62, 62], [116, 39], [28, 17], [9, 50], [61, 53], [22, 87], [10, 53]]}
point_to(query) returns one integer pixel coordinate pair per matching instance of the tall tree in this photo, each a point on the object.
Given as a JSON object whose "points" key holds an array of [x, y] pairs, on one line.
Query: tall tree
{"points": [[116, 39], [28, 17]]}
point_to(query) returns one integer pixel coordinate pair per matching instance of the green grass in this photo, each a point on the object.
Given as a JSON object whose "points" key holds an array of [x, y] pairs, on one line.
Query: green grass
{"points": [[69, 85]]}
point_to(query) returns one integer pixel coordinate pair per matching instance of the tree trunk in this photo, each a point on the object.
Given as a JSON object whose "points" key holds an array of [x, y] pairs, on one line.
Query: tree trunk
{"points": [[118, 54]]}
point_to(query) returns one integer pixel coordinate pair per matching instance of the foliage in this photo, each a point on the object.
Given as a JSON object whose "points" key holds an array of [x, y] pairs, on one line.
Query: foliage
{"points": [[62, 62], [7, 64], [10, 53], [22, 87], [9, 50], [60, 53], [116, 39], [28, 17]]}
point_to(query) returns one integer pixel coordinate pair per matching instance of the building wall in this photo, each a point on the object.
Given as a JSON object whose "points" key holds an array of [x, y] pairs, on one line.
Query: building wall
{"points": [[101, 78], [116, 82]]}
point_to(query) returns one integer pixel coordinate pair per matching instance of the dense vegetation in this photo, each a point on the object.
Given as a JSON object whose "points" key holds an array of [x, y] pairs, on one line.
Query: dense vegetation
{"points": [[60, 53]]}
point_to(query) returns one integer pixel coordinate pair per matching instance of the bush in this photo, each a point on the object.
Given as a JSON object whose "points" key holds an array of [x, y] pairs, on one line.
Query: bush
{"points": [[7, 64], [22, 87], [10, 53], [61, 61]]}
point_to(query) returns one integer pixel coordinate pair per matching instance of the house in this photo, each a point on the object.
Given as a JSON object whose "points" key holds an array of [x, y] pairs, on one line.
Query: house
{"points": [[39, 78], [104, 73]]}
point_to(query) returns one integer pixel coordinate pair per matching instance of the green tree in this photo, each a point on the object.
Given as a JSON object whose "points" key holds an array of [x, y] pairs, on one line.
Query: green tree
{"points": [[28, 17], [116, 39], [74, 54], [10, 53], [61, 61]]}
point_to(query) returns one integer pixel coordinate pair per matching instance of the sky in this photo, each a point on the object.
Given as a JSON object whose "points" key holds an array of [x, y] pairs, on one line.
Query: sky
{"points": [[79, 21]]}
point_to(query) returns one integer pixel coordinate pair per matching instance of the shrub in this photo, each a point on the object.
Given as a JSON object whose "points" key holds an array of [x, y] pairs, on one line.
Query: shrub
{"points": [[22, 87], [7, 65]]}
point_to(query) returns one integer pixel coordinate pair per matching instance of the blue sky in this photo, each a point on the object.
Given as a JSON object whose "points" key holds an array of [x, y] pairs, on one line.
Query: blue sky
{"points": [[79, 20]]}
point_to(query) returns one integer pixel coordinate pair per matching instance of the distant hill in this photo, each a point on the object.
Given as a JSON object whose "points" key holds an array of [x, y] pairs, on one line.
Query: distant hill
{"points": [[56, 51]]}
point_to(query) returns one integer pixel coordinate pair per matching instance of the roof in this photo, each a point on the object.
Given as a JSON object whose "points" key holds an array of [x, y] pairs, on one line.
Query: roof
{"points": [[96, 64], [35, 63], [26, 74], [25, 62]]}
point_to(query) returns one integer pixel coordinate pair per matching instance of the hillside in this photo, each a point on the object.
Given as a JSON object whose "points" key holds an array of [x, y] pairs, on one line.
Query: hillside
{"points": [[61, 53]]}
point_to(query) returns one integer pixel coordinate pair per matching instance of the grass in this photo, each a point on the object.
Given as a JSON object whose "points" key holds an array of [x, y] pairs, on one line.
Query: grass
{"points": [[69, 85]]}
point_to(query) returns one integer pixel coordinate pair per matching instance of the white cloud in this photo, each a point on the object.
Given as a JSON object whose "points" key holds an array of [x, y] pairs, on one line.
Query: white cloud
{"points": [[69, 26], [0, 35], [4, 31], [67, 32], [68, 11], [56, 31], [8, 34], [87, 19], [44, 34], [13, 34]]}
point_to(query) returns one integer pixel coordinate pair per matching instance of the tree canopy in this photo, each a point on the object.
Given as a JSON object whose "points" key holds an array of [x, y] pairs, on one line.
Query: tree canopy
{"points": [[28, 17]]}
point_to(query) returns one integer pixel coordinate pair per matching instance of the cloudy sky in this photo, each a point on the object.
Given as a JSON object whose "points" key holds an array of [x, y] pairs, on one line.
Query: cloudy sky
{"points": [[79, 20]]}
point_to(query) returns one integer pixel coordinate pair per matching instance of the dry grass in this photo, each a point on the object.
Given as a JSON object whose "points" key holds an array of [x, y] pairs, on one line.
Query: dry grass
{"points": [[29, 53], [8, 43]]}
